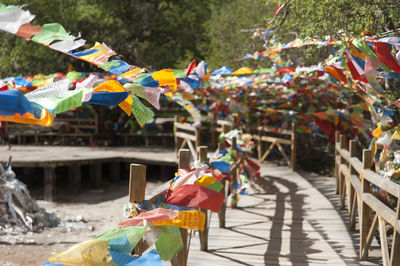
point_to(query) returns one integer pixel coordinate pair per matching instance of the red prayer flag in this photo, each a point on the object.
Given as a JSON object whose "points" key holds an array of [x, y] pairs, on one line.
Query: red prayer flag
{"points": [[190, 67], [27, 31], [384, 55], [277, 10], [353, 71], [195, 196], [285, 70]]}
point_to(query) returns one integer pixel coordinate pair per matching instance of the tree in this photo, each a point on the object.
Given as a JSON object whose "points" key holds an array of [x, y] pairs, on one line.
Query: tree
{"points": [[230, 31], [154, 34]]}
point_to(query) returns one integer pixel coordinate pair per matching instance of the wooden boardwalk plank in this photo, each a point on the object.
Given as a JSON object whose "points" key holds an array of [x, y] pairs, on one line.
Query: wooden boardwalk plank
{"points": [[283, 221]]}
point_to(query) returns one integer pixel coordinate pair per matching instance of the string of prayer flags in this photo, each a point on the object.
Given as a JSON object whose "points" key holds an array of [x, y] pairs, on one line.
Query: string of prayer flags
{"points": [[188, 105]]}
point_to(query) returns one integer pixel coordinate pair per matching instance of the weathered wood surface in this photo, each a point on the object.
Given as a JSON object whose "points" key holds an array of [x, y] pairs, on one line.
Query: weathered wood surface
{"points": [[284, 220], [42, 156]]}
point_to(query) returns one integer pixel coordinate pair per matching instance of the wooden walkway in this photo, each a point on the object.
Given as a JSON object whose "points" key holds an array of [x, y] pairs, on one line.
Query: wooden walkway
{"points": [[285, 220]]}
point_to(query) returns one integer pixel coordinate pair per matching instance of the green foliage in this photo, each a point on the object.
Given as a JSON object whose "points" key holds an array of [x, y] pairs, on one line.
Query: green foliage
{"points": [[170, 33], [229, 29], [306, 18], [343, 17], [154, 34]]}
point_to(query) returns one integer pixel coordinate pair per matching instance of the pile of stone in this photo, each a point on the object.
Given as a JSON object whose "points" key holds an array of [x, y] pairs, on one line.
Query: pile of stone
{"points": [[19, 212]]}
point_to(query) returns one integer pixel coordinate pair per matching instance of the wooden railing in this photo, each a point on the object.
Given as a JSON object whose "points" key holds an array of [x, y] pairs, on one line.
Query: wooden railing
{"points": [[353, 180], [76, 127], [277, 137], [137, 194], [137, 185], [186, 135], [234, 173]]}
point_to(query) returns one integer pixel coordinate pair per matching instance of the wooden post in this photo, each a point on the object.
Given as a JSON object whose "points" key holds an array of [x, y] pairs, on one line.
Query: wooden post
{"points": [[181, 257], [351, 197], [236, 121], [259, 144], [395, 252], [198, 140], [202, 152], [342, 176], [137, 191], [49, 182], [137, 183], [337, 140], [225, 129], [293, 147], [234, 175], [95, 175], [115, 171], [221, 214], [213, 128], [176, 139], [203, 235], [74, 178], [234, 144], [365, 210]]}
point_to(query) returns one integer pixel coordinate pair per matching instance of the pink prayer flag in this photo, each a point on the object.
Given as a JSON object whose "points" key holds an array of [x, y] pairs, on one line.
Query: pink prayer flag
{"points": [[158, 214]]}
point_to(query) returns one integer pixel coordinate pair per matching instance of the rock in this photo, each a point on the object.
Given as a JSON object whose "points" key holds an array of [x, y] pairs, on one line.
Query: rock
{"points": [[19, 212]]}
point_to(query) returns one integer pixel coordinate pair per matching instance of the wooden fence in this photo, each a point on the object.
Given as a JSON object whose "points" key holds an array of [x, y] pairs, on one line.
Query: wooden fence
{"points": [[137, 183], [72, 127], [186, 135], [276, 137], [353, 181]]}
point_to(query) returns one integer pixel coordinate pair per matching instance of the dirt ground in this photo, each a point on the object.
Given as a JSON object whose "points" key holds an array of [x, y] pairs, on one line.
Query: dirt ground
{"points": [[101, 209]]}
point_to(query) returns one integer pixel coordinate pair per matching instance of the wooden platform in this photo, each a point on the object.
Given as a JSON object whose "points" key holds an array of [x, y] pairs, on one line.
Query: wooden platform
{"points": [[41, 156], [50, 157], [284, 220]]}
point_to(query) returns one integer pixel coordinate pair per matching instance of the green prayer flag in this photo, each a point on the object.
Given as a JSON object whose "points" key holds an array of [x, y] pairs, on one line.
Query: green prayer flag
{"points": [[179, 73], [107, 65], [73, 99], [124, 239], [140, 111], [169, 243], [136, 89], [51, 32], [216, 186]]}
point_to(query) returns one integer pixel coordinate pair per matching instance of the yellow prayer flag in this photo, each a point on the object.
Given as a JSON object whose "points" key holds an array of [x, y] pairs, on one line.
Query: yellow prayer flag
{"points": [[192, 220], [377, 132], [396, 134], [205, 181], [165, 77], [46, 119], [115, 86]]}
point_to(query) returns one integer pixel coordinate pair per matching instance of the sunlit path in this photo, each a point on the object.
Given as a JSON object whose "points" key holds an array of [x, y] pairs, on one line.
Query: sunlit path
{"points": [[284, 220]]}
